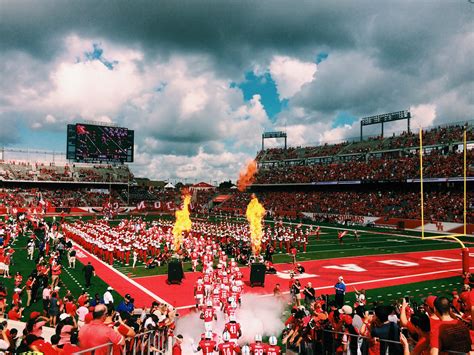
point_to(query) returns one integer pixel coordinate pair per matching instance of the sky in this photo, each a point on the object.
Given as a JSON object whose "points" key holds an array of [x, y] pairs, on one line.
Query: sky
{"points": [[200, 81]]}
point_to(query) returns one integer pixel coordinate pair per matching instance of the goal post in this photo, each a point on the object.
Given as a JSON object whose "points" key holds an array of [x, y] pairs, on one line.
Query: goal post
{"points": [[455, 237]]}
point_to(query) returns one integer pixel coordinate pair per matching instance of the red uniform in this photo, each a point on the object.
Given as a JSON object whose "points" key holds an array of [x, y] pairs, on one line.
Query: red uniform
{"points": [[273, 350], [258, 348], [208, 314], [228, 349], [234, 329], [207, 346]]}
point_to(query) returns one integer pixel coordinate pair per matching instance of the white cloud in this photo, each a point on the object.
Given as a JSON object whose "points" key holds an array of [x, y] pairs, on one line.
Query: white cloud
{"points": [[202, 166], [290, 74], [423, 115]]}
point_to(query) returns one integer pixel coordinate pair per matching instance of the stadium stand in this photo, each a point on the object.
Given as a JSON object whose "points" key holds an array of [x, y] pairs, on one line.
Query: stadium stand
{"points": [[384, 168], [438, 136], [55, 172]]}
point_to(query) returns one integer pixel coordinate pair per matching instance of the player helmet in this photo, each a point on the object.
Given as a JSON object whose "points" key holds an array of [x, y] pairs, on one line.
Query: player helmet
{"points": [[209, 303], [208, 335], [245, 350], [234, 288], [272, 340], [232, 318], [226, 336], [233, 304], [258, 337]]}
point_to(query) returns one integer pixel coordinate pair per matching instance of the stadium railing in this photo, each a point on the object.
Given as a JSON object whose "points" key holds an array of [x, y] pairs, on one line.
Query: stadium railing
{"points": [[149, 342]]}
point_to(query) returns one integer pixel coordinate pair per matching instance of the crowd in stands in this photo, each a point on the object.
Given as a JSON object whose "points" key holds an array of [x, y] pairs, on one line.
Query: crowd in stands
{"points": [[43, 198], [27, 171], [439, 205], [435, 165], [434, 136]]}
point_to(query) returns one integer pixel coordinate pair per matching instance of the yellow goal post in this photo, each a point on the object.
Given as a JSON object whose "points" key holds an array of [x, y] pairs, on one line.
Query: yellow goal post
{"points": [[455, 237]]}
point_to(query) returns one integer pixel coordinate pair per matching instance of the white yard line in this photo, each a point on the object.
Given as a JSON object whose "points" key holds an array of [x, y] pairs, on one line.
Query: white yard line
{"points": [[134, 283]]}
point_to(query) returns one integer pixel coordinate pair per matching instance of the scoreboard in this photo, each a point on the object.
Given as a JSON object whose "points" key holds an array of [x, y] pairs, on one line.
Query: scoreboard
{"points": [[90, 143]]}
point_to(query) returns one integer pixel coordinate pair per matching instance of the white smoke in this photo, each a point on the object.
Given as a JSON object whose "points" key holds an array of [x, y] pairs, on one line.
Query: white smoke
{"points": [[257, 315]]}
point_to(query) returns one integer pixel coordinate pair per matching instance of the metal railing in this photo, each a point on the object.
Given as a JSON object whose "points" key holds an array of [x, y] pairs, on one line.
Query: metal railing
{"points": [[332, 342], [156, 342]]}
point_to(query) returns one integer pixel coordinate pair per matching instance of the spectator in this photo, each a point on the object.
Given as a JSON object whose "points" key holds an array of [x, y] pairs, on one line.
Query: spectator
{"points": [[383, 329], [4, 341], [448, 334], [109, 299], [126, 305], [97, 333], [88, 271], [177, 345], [340, 288], [309, 294]]}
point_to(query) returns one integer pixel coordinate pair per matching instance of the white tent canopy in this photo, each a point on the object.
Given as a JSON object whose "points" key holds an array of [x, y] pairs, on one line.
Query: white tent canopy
{"points": [[169, 186]]}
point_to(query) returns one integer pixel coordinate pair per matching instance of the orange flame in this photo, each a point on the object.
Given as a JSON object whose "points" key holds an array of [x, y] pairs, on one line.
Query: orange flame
{"points": [[182, 223], [255, 213], [247, 177]]}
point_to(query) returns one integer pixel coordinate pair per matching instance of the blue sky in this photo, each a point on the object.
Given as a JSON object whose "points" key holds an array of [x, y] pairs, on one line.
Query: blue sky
{"points": [[265, 86]]}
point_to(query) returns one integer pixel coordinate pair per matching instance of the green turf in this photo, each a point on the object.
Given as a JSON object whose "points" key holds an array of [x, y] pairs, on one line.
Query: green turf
{"points": [[328, 247], [67, 282], [417, 291]]}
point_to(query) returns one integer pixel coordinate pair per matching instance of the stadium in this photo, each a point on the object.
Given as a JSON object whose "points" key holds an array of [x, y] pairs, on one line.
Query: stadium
{"points": [[140, 234]]}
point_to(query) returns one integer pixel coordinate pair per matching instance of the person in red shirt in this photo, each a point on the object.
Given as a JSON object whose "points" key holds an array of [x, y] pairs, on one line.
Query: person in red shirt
{"points": [[15, 313], [97, 333], [273, 348], [258, 348], [233, 329], [228, 347], [209, 315], [16, 298], [71, 307], [448, 334], [199, 293], [207, 345], [83, 298], [28, 285], [177, 345]]}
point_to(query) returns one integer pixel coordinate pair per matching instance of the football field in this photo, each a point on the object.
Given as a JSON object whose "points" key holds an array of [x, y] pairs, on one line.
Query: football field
{"points": [[389, 264]]}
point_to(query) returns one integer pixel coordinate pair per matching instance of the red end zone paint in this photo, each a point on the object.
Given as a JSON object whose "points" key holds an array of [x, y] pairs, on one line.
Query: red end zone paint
{"points": [[363, 271]]}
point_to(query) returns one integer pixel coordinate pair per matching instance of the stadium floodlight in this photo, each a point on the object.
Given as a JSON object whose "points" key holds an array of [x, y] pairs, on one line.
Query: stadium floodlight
{"points": [[455, 237]]}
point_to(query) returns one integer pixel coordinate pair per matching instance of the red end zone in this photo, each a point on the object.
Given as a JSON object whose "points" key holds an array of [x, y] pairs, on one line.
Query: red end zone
{"points": [[363, 272]]}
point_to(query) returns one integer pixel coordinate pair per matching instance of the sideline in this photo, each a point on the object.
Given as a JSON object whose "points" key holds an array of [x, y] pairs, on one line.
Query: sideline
{"points": [[118, 273]]}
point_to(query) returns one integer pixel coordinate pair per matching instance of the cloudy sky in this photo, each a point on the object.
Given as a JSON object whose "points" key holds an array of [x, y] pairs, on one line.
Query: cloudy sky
{"points": [[199, 81]]}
